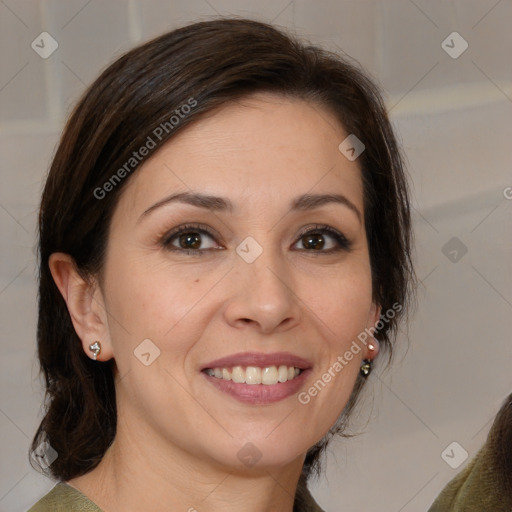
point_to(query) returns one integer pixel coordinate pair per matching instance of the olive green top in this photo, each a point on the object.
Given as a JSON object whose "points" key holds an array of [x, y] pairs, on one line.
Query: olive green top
{"points": [[475, 489], [64, 498]]}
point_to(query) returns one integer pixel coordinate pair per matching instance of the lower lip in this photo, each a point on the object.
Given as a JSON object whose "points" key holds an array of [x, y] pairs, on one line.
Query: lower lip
{"points": [[259, 394]]}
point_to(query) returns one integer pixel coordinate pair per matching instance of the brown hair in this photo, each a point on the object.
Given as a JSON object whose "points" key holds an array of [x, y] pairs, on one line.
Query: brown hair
{"points": [[499, 441], [210, 63]]}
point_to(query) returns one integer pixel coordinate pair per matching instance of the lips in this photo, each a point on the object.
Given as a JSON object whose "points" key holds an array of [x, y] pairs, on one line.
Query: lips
{"points": [[257, 378]]}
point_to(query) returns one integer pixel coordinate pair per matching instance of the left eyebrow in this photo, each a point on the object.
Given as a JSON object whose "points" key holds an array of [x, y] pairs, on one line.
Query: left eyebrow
{"points": [[311, 201], [215, 203]]}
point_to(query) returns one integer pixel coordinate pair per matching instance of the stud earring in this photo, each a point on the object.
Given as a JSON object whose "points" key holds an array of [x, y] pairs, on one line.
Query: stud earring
{"points": [[95, 348], [366, 366]]}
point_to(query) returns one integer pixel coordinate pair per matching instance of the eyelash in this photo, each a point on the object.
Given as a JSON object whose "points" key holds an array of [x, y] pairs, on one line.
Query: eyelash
{"points": [[319, 229]]}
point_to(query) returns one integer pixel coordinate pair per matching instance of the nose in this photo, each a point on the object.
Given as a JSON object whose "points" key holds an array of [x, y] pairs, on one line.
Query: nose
{"points": [[263, 295]]}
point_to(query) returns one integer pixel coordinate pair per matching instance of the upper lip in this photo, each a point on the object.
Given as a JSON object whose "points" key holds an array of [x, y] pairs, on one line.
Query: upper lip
{"points": [[260, 360]]}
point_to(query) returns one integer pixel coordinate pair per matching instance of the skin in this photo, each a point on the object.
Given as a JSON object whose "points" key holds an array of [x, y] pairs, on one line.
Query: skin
{"points": [[178, 436]]}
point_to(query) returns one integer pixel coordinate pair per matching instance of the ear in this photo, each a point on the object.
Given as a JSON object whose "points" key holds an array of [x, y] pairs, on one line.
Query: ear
{"points": [[374, 314], [85, 303]]}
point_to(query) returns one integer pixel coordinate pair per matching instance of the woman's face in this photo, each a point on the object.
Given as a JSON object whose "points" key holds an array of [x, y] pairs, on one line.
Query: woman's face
{"points": [[207, 296]]}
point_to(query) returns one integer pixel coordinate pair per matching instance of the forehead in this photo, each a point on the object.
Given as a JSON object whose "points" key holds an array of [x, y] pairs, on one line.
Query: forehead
{"points": [[263, 146]]}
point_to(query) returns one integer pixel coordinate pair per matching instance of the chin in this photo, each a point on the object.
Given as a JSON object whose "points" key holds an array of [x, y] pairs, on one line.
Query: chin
{"points": [[255, 454]]}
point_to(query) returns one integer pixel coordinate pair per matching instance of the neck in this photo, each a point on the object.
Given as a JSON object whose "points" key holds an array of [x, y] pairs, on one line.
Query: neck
{"points": [[141, 475]]}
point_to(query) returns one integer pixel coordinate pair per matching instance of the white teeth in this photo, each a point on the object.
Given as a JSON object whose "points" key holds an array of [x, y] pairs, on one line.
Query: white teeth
{"points": [[268, 375], [283, 373], [253, 375], [238, 374]]}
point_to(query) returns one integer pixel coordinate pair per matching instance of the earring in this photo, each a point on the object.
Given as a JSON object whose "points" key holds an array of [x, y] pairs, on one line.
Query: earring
{"points": [[95, 348], [366, 366]]}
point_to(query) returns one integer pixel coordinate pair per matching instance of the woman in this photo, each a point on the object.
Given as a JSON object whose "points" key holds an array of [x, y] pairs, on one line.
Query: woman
{"points": [[225, 249]]}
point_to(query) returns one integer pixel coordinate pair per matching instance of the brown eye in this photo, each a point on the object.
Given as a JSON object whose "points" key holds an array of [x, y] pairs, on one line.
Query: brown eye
{"points": [[190, 239], [313, 241], [323, 239]]}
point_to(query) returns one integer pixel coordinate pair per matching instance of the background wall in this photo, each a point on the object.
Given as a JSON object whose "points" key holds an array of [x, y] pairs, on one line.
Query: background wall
{"points": [[452, 107]]}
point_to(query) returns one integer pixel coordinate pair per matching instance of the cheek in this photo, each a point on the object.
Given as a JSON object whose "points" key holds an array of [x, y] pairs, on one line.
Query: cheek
{"points": [[165, 307], [155, 303], [341, 303], [341, 311]]}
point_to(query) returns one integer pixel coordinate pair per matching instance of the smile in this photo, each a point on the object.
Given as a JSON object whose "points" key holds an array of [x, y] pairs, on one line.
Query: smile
{"points": [[257, 378]]}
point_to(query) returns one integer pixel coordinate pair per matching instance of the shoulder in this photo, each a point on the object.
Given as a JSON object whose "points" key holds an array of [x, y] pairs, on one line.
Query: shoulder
{"points": [[485, 483], [64, 498]]}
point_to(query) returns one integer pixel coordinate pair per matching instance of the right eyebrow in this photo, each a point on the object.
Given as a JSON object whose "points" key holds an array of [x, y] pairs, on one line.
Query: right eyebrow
{"points": [[213, 203]]}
